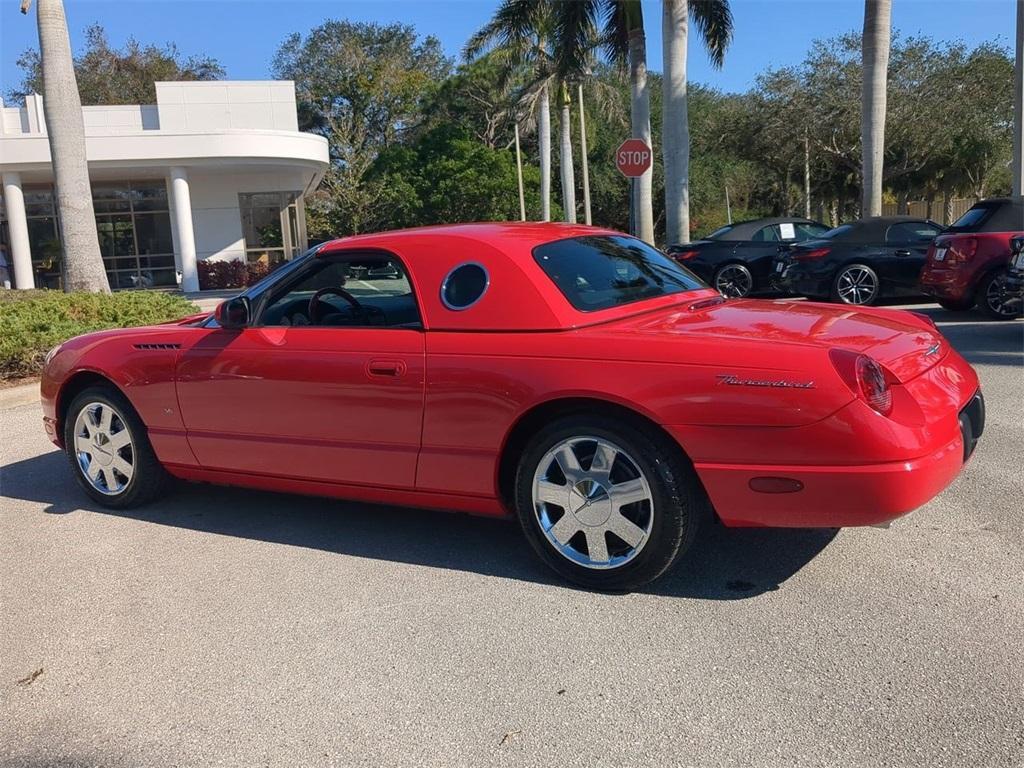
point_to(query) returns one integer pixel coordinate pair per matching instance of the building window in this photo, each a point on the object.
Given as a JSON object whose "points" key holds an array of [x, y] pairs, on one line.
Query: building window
{"points": [[134, 226], [273, 226], [134, 229]]}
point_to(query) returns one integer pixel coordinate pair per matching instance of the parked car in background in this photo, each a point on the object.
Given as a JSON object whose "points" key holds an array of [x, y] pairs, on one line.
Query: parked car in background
{"points": [[860, 262], [571, 377], [736, 260], [1011, 282], [964, 264]]}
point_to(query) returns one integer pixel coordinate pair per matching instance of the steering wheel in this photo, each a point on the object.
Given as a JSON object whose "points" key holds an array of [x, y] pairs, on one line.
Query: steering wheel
{"points": [[314, 303]]}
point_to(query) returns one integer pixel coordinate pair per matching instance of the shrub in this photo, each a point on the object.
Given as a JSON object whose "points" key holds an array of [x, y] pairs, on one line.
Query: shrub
{"points": [[222, 274], [214, 275], [33, 322]]}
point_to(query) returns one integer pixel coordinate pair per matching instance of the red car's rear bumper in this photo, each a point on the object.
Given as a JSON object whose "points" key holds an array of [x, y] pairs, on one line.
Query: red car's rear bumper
{"points": [[832, 497], [956, 284], [853, 468]]}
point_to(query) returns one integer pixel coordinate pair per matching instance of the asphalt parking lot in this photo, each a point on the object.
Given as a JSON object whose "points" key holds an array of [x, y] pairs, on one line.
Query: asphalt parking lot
{"points": [[234, 628]]}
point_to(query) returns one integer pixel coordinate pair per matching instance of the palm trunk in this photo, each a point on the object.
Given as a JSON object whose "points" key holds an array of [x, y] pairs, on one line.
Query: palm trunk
{"points": [[1018, 106], [584, 161], [640, 119], [675, 122], [544, 139], [82, 264], [807, 176], [875, 63], [568, 176]]}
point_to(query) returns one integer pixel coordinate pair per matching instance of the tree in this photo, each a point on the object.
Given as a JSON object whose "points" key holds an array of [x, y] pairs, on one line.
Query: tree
{"points": [[624, 42], [364, 87], [713, 20], [108, 75], [875, 46], [446, 175], [82, 265], [1018, 106], [519, 37]]}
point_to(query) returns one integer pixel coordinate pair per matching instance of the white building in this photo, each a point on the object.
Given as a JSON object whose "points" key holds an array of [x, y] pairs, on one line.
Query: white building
{"points": [[213, 170]]}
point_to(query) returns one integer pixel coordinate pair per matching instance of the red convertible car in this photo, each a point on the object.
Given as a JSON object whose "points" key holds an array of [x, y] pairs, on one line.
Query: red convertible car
{"points": [[570, 376]]}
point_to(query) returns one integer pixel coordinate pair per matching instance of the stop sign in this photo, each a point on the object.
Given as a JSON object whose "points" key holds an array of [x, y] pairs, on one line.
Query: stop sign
{"points": [[633, 158]]}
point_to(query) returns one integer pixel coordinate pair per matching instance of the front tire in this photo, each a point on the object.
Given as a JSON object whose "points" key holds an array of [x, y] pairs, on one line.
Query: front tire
{"points": [[109, 450], [605, 503], [989, 298], [856, 284]]}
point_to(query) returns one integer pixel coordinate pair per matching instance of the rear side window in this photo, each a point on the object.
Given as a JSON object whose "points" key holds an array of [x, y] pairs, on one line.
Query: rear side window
{"points": [[464, 286], [603, 271], [769, 234], [910, 232], [973, 219]]}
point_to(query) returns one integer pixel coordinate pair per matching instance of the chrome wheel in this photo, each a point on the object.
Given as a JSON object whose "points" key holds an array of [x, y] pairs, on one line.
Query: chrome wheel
{"points": [[857, 285], [592, 502], [733, 281], [104, 448]]}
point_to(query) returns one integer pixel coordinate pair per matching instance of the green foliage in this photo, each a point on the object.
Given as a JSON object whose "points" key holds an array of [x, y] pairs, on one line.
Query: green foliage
{"points": [[33, 322], [364, 87], [447, 176], [120, 76]]}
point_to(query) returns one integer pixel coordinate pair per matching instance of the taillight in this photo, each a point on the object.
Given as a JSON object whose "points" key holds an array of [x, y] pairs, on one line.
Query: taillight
{"points": [[961, 250], [865, 378], [816, 253], [684, 255]]}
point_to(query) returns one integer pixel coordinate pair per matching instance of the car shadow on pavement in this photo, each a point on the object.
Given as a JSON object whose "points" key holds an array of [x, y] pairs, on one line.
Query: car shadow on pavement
{"points": [[724, 564]]}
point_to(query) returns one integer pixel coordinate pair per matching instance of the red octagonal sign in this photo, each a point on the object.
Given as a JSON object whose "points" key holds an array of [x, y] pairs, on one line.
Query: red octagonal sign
{"points": [[633, 158]]}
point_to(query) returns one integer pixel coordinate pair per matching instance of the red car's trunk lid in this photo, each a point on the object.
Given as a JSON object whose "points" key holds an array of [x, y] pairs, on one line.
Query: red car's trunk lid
{"points": [[905, 343]]}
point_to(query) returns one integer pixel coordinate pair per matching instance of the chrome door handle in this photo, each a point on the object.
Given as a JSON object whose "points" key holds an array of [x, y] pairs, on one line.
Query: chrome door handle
{"points": [[392, 368]]}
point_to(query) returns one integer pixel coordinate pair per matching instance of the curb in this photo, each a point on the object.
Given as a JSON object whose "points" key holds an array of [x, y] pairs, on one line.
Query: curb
{"points": [[13, 397]]}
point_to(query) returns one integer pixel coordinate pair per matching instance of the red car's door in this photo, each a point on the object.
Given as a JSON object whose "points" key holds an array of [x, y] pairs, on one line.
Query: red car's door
{"points": [[336, 403]]}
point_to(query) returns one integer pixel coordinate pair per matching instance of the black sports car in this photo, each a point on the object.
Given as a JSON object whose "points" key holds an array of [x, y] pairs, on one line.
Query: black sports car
{"points": [[737, 259], [859, 262]]}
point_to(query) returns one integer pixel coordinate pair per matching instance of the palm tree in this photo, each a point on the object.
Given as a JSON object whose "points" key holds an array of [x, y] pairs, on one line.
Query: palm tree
{"points": [[624, 43], [874, 81], [519, 35], [1018, 110], [713, 19], [82, 264]]}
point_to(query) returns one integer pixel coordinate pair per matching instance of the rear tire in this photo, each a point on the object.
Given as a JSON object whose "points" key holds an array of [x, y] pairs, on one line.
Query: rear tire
{"points": [[580, 533], [989, 301], [734, 281], [856, 284], [109, 450]]}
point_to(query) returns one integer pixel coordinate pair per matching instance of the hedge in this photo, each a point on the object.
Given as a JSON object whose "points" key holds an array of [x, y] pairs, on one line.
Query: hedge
{"points": [[33, 322]]}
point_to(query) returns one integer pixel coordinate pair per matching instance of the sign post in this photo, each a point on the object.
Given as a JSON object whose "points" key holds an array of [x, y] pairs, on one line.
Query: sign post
{"points": [[633, 159]]}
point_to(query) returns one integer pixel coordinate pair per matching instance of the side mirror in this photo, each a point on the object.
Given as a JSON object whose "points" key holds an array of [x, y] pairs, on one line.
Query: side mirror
{"points": [[233, 313]]}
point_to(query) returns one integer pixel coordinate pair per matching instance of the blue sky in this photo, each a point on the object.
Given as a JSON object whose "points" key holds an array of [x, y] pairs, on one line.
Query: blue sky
{"points": [[243, 34]]}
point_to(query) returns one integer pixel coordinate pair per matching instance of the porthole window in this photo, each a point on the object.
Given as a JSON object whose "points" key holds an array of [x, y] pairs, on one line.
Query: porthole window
{"points": [[464, 286]]}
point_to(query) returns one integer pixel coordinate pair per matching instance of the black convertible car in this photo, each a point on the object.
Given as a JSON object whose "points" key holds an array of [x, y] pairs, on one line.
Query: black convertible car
{"points": [[859, 262], [737, 259]]}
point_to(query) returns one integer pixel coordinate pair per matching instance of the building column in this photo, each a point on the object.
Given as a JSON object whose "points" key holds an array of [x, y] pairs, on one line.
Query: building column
{"points": [[181, 207], [21, 253]]}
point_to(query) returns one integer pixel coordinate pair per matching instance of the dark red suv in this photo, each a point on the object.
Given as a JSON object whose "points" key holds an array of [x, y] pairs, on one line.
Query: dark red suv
{"points": [[964, 262]]}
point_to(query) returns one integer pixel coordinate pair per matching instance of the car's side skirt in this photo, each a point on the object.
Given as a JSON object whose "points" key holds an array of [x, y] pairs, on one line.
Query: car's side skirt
{"points": [[474, 505]]}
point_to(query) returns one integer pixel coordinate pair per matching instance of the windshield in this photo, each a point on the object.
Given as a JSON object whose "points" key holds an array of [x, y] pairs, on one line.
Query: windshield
{"points": [[598, 272]]}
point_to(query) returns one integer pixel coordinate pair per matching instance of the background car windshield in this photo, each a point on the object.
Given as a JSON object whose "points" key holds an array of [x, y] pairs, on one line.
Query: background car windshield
{"points": [[598, 272]]}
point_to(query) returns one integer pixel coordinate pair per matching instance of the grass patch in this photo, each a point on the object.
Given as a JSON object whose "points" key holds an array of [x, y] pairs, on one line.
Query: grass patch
{"points": [[33, 322]]}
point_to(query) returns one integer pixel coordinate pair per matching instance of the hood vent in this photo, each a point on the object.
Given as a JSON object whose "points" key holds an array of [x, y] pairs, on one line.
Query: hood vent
{"points": [[157, 346]]}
